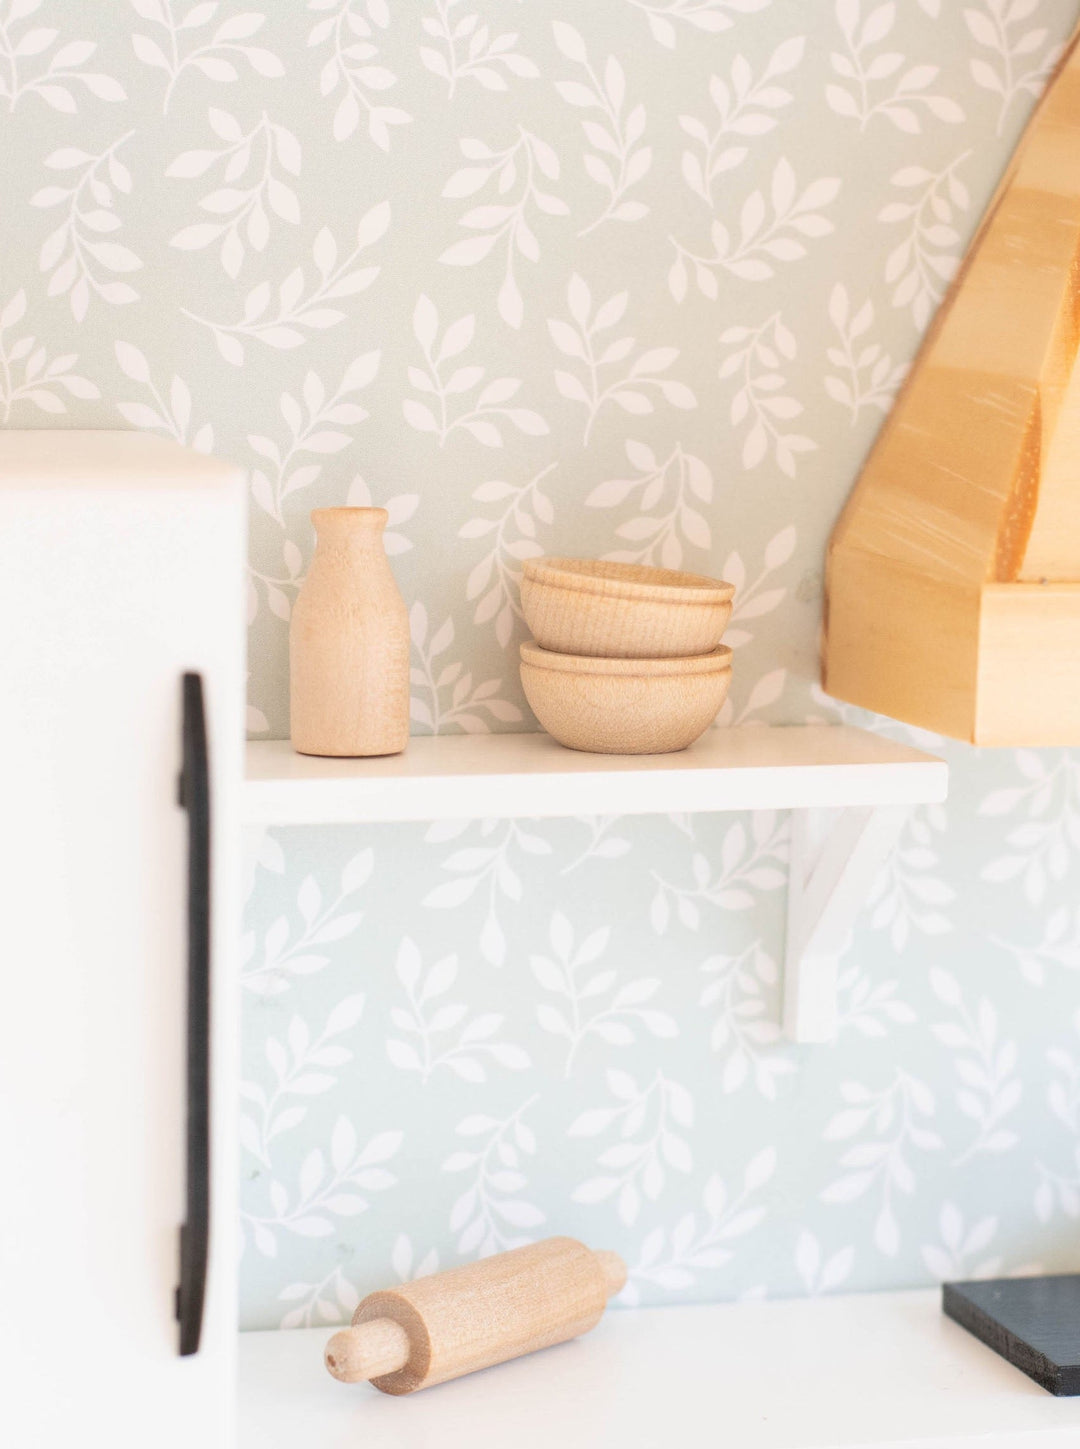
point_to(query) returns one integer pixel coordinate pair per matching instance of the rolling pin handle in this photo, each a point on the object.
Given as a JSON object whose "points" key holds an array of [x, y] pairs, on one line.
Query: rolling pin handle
{"points": [[367, 1351], [613, 1269]]}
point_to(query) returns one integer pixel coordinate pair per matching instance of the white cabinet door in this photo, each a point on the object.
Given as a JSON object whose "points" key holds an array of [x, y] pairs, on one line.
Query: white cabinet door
{"points": [[121, 569]]}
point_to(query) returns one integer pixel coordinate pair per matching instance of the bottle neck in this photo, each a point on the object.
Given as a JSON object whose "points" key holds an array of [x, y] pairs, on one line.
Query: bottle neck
{"points": [[355, 531]]}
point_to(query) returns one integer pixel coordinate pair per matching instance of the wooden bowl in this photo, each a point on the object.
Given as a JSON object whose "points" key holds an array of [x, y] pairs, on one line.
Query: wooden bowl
{"points": [[622, 611], [625, 706]]}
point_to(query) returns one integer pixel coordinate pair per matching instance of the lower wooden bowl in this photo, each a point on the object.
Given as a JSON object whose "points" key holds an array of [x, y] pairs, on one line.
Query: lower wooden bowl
{"points": [[625, 706]]}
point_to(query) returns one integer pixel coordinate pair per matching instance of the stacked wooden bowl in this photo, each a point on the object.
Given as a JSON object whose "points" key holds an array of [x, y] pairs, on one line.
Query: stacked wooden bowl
{"points": [[625, 659]]}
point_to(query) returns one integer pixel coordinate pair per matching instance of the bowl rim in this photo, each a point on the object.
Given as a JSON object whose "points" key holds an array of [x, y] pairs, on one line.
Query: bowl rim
{"points": [[716, 661], [651, 585]]}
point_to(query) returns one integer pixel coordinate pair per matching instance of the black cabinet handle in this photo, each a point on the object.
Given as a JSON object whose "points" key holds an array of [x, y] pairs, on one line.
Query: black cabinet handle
{"points": [[195, 1233]]}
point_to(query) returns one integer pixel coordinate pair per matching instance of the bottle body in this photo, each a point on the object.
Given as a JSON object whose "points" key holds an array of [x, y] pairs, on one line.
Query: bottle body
{"points": [[349, 643]]}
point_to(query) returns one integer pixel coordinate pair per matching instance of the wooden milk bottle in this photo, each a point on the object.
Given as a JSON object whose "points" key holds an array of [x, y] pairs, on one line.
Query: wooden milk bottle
{"points": [[349, 642]]}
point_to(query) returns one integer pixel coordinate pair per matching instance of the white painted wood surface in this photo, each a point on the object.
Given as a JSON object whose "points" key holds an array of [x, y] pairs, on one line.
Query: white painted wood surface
{"points": [[877, 1371], [835, 856], [851, 789], [123, 567], [506, 776]]}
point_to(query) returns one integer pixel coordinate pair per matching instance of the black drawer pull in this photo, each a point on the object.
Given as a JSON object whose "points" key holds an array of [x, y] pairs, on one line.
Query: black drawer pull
{"points": [[195, 1233]]}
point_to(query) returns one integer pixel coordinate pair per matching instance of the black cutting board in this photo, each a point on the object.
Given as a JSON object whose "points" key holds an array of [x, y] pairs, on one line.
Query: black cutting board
{"points": [[1032, 1322]]}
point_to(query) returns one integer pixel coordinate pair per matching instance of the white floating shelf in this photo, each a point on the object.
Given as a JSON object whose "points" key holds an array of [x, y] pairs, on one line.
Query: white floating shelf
{"points": [[852, 791], [506, 776], [877, 1371]]}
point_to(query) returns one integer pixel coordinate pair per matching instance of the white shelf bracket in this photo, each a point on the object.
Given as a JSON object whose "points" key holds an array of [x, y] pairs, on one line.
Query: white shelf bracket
{"points": [[835, 856]]}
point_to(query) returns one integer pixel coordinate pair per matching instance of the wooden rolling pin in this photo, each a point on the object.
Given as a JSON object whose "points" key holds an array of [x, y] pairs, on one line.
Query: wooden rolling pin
{"points": [[472, 1317]]}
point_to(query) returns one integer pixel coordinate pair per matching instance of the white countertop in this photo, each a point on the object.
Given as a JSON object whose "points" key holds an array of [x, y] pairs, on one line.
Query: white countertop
{"points": [[874, 1371]]}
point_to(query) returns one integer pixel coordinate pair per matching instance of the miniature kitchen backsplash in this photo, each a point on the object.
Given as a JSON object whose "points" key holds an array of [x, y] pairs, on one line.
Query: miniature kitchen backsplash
{"points": [[636, 279]]}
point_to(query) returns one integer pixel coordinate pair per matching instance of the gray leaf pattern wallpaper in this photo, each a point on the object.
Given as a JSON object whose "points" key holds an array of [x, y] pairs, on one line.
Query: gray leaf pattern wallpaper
{"points": [[640, 279]]}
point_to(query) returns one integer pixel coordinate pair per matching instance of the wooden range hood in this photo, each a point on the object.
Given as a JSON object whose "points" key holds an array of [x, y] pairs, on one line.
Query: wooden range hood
{"points": [[953, 580]]}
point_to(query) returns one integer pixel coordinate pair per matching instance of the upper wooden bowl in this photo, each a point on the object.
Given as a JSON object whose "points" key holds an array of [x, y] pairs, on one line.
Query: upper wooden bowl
{"points": [[622, 611], [625, 706]]}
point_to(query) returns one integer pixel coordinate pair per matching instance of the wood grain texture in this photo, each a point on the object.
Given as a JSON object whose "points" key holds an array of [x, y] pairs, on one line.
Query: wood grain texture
{"points": [[1029, 665], [622, 611], [970, 498], [899, 644], [468, 1318], [367, 1351], [625, 706], [1056, 527], [349, 643]]}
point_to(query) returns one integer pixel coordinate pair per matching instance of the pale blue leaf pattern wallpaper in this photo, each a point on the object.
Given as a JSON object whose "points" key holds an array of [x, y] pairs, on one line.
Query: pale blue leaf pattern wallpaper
{"points": [[637, 278]]}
